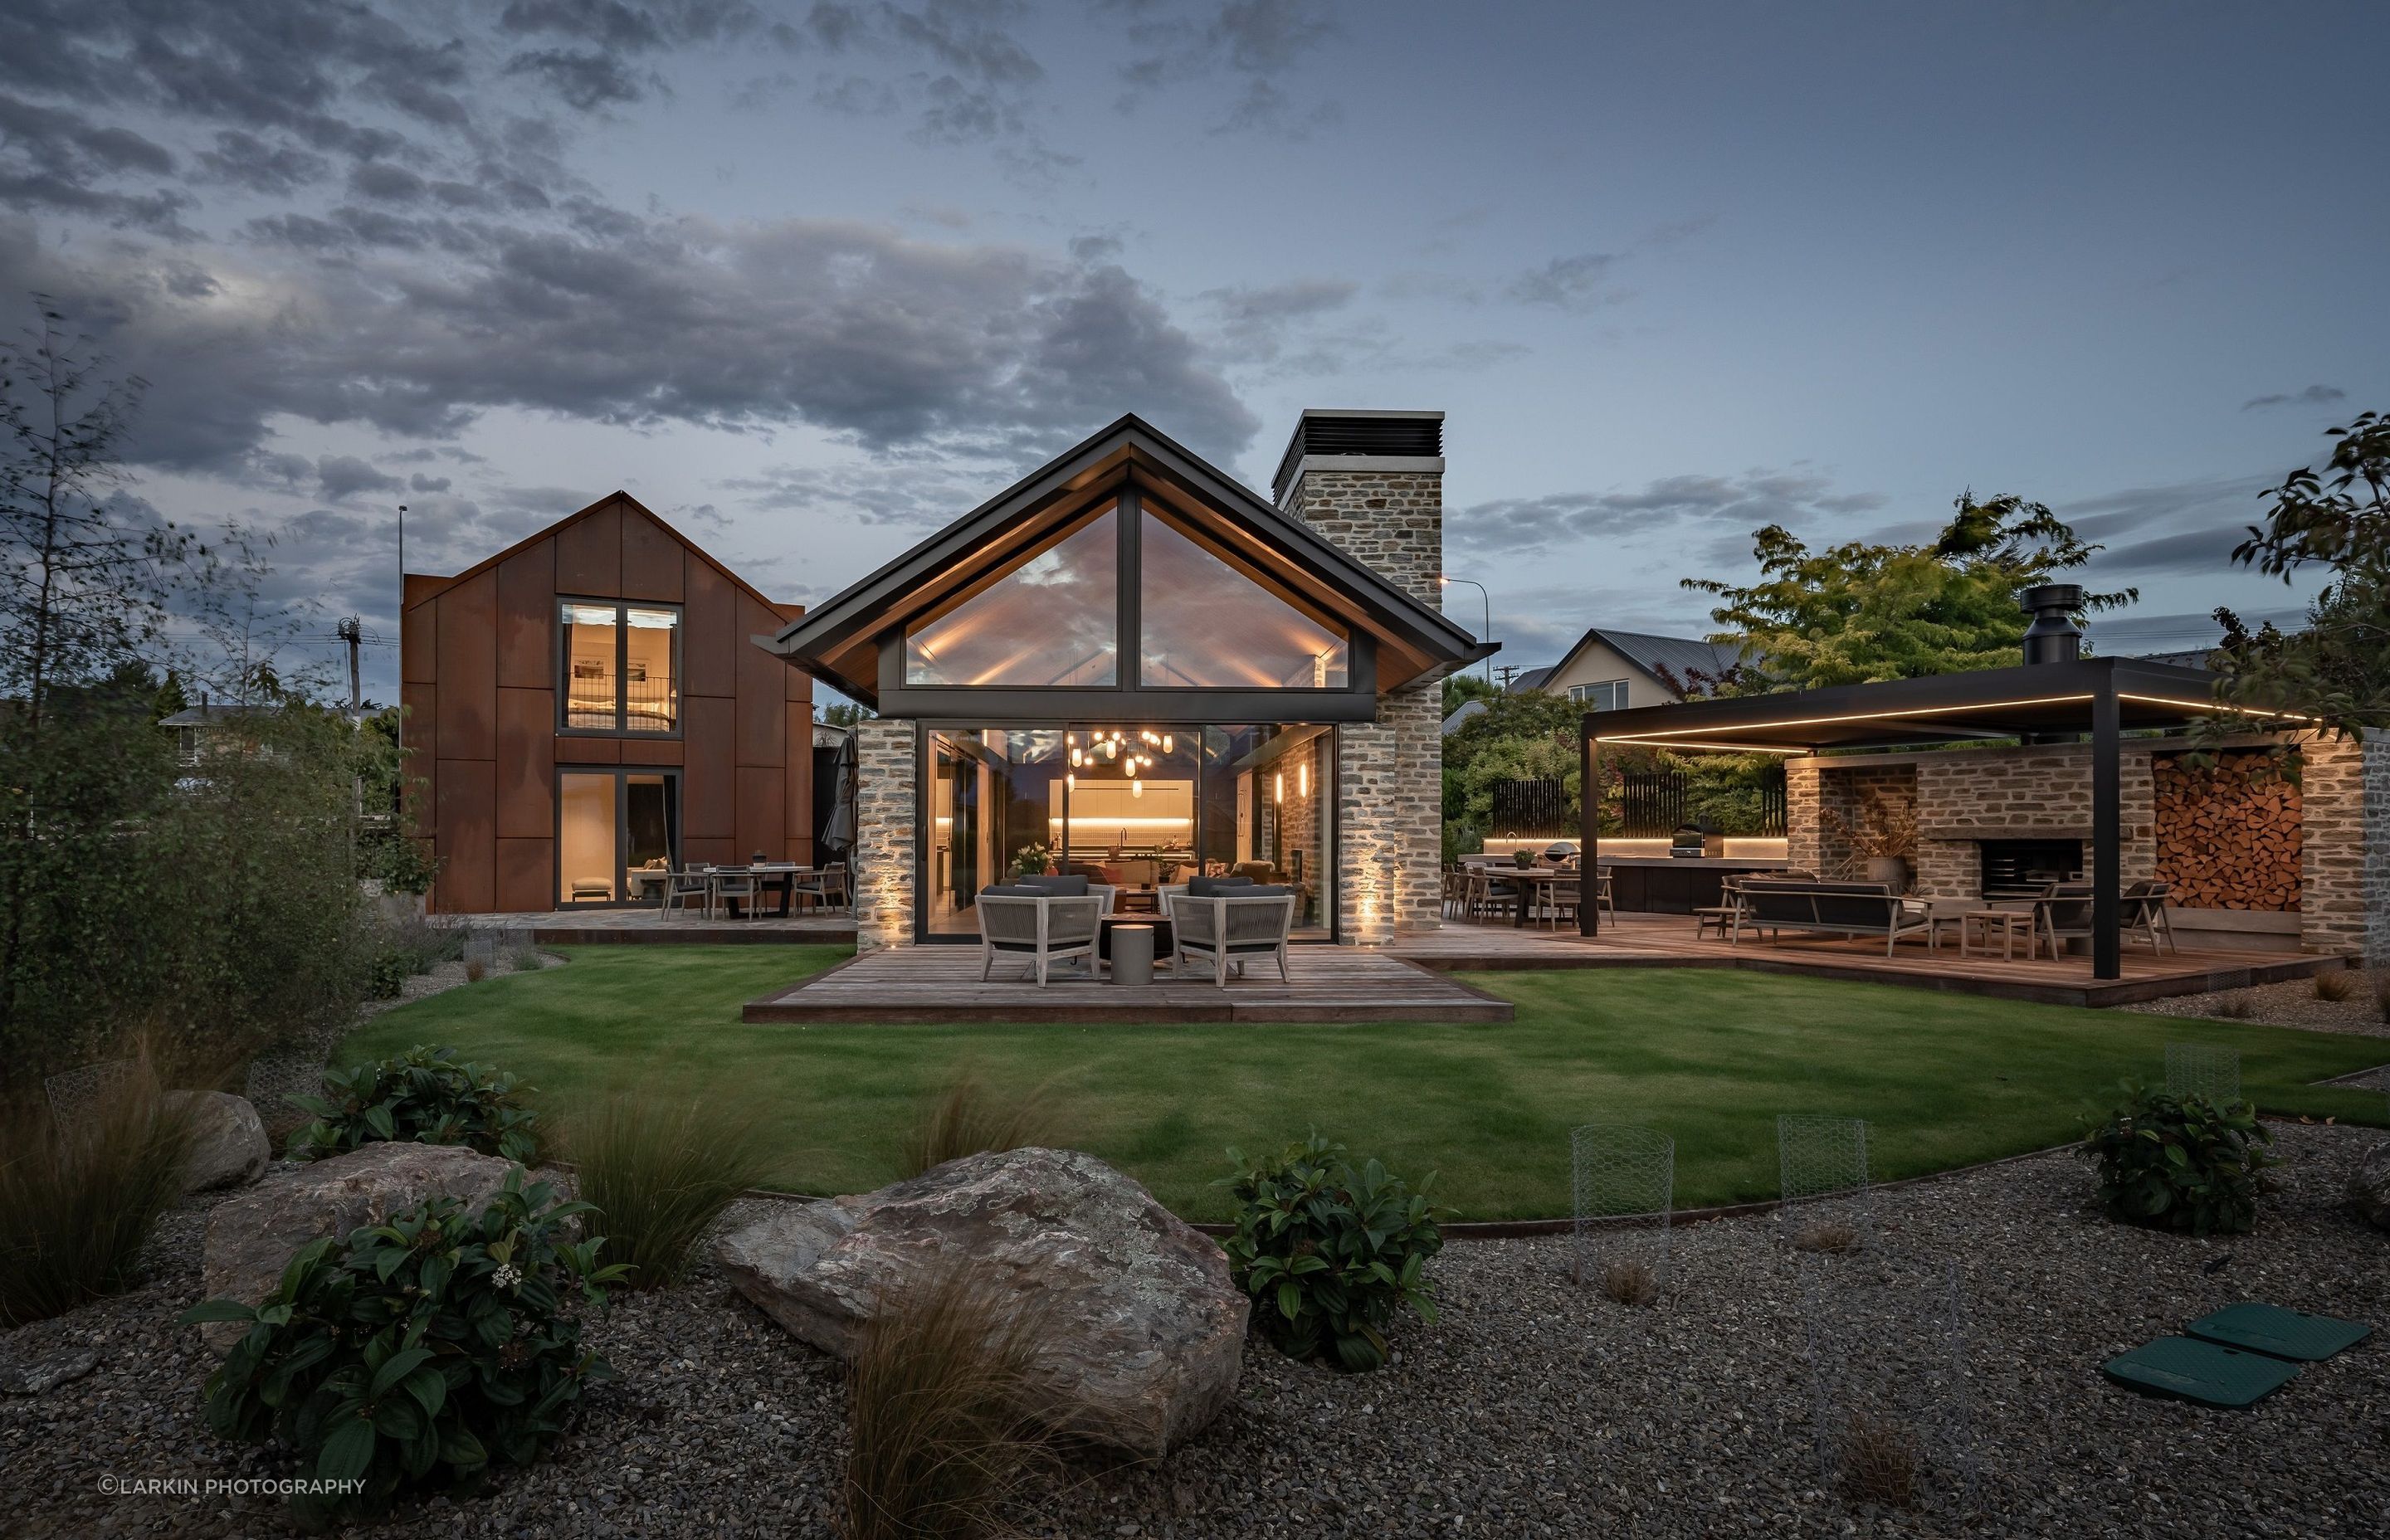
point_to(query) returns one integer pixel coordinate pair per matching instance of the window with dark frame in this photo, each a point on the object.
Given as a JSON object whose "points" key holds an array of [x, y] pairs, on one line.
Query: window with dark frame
{"points": [[1608, 695], [620, 662]]}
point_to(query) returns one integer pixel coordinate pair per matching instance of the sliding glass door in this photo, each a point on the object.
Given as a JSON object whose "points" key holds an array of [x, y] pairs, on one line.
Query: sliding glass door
{"points": [[1131, 806], [611, 824]]}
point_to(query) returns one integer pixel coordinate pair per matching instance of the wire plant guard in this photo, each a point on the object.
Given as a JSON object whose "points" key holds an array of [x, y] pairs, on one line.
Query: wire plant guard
{"points": [[2197, 1070], [1822, 1165], [73, 1094], [1623, 1179], [1887, 1345]]}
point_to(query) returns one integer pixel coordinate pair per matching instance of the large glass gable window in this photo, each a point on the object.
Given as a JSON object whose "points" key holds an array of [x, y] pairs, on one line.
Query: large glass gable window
{"points": [[1053, 620], [1206, 625]]}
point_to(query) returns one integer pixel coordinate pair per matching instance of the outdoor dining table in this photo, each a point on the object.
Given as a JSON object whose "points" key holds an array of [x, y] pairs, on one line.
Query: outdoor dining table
{"points": [[1530, 879], [778, 875]]}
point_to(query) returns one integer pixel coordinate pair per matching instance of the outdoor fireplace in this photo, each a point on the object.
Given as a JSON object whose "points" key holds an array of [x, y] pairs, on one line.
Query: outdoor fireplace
{"points": [[2022, 868]]}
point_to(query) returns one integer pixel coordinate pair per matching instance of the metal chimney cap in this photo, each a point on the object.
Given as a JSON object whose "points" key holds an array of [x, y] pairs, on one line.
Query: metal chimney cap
{"points": [[2043, 597]]}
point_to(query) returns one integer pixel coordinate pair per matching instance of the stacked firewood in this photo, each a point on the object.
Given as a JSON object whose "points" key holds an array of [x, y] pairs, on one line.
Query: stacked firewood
{"points": [[2228, 836]]}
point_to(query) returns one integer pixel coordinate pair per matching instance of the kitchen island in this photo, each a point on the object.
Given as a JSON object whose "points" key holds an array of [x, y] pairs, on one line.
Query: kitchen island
{"points": [[1679, 884]]}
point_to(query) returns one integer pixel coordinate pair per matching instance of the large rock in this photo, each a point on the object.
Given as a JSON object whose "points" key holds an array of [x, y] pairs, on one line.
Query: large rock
{"points": [[252, 1237], [2369, 1189], [1144, 1331], [228, 1145]]}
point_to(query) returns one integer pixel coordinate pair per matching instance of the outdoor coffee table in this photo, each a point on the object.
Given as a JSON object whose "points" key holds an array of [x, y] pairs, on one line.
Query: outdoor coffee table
{"points": [[1977, 925], [1164, 939], [1129, 947]]}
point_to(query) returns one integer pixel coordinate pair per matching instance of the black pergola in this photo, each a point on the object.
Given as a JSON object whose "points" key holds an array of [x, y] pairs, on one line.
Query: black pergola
{"points": [[2104, 698]]}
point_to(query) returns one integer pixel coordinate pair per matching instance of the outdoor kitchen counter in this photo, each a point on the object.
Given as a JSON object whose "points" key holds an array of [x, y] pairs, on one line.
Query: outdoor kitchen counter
{"points": [[1676, 884]]}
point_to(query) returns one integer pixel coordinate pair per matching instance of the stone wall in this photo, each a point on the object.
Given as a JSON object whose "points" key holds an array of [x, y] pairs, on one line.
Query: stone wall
{"points": [[2044, 791], [2333, 866], [2376, 895], [1389, 772], [887, 772]]}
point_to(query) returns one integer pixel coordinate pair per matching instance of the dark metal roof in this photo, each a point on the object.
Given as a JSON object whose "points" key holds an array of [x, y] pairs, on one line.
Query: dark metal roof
{"points": [[1680, 656], [210, 716], [1390, 435], [1946, 708], [892, 593], [1531, 679]]}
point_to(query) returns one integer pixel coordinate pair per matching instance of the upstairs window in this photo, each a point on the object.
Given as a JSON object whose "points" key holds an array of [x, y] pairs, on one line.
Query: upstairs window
{"points": [[621, 667], [1608, 695], [1207, 624], [1051, 620]]}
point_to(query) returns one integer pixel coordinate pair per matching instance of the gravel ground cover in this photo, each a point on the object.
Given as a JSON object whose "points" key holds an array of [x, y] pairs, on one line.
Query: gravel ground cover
{"points": [[2292, 1003], [1534, 1409]]}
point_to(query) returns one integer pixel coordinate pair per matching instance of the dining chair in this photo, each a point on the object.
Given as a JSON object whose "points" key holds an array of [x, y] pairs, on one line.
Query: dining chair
{"points": [[689, 884], [739, 886]]}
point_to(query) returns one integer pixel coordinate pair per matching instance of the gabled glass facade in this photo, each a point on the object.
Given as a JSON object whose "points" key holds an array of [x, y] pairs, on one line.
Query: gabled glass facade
{"points": [[1051, 620]]}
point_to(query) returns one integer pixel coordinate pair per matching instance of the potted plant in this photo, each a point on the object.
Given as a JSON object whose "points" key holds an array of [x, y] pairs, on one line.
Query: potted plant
{"points": [[1882, 838]]}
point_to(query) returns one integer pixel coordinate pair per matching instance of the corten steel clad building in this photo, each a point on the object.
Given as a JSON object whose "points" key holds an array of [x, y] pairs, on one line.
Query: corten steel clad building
{"points": [[1129, 664], [593, 701]]}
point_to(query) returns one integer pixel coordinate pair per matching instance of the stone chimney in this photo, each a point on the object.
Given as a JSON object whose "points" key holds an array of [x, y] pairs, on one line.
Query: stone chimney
{"points": [[1372, 484]]}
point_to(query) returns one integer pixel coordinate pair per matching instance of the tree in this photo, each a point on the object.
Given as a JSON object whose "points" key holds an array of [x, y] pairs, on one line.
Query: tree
{"points": [[1858, 612], [1462, 688], [2337, 669]]}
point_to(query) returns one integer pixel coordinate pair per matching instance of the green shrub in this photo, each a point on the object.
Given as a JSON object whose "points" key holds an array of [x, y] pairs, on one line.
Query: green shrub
{"points": [[2179, 1163], [76, 1202], [1330, 1255], [414, 1354], [661, 1170], [392, 968], [424, 1096]]}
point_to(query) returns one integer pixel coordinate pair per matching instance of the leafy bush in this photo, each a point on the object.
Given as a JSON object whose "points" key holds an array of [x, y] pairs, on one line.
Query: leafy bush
{"points": [[1330, 1255], [943, 1432], [965, 1119], [661, 1170], [2179, 1163], [392, 968], [414, 1354], [424, 1096], [76, 1202]]}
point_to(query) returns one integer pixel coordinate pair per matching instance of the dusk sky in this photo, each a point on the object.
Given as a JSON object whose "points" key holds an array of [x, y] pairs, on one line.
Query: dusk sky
{"points": [[811, 281]]}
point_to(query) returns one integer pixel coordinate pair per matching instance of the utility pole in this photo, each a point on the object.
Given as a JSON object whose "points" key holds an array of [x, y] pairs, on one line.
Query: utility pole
{"points": [[398, 726], [1508, 671], [352, 633]]}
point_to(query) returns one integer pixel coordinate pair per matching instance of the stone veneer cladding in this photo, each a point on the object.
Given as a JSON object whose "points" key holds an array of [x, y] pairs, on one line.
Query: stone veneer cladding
{"points": [[1966, 795], [887, 767], [1389, 772]]}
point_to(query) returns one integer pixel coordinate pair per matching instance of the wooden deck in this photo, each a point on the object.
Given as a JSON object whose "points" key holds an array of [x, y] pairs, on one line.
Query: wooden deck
{"points": [[1667, 941], [646, 925], [935, 984]]}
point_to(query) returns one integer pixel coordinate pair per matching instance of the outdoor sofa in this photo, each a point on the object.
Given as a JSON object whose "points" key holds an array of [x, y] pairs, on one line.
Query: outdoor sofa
{"points": [[1038, 929], [1233, 924], [1828, 908]]}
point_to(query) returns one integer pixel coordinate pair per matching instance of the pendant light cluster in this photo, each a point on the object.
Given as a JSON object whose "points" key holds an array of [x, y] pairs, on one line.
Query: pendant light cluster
{"points": [[1107, 745]]}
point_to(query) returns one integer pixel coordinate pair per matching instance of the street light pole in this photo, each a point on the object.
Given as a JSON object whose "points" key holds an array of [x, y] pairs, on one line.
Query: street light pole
{"points": [[1487, 634]]}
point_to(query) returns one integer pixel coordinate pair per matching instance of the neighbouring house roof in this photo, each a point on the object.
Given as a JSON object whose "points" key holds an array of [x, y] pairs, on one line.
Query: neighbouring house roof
{"points": [[2195, 657], [1531, 679], [1659, 657], [1461, 713], [211, 715], [838, 640]]}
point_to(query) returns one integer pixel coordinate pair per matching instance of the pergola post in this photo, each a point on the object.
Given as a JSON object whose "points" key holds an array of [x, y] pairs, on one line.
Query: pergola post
{"points": [[2107, 832], [1589, 839]]}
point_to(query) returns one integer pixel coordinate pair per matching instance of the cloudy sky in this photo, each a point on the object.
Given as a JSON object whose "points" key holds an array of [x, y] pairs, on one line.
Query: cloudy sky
{"points": [[811, 280]]}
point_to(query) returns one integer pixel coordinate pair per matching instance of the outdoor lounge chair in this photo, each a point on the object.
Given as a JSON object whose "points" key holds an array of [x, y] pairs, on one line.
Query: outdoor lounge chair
{"points": [[1228, 931], [1201, 886], [1071, 886], [1868, 909], [2145, 916], [1036, 929]]}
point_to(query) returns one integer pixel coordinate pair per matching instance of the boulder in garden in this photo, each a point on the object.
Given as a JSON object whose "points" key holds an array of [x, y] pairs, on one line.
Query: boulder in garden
{"points": [[1142, 1330]]}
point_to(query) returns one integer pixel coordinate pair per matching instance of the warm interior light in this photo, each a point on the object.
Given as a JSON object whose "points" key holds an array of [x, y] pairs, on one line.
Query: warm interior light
{"points": [[1070, 739], [1165, 743], [1281, 786], [1136, 788], [1076, 761], [1070, 781]]}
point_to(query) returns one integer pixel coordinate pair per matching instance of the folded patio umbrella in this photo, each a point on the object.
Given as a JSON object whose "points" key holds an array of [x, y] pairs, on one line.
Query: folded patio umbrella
{"points": [[839, 834]]}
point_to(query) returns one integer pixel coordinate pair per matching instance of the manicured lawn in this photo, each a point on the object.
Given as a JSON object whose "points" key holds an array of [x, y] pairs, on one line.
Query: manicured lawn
{"points": [[1709, 1057]]}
